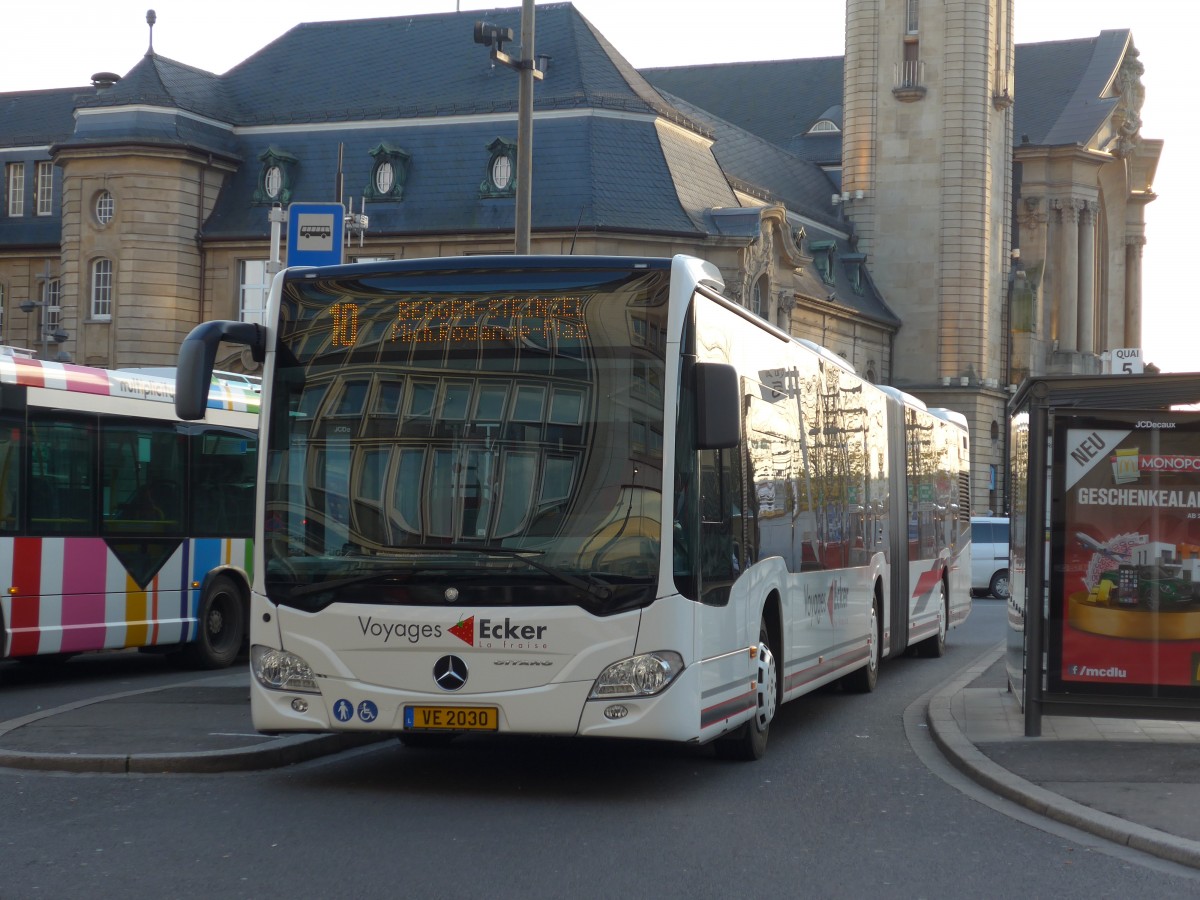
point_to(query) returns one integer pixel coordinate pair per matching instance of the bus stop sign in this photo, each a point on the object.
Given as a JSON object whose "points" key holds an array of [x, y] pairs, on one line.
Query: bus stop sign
{"points": [[315, 234]]}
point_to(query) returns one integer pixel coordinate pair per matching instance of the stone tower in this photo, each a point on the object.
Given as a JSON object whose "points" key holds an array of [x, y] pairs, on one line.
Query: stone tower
{"points": [[927, 168]]}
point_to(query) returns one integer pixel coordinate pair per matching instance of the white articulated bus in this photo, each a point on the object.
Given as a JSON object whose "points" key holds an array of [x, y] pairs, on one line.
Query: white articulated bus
{"points": [[573, 495]]}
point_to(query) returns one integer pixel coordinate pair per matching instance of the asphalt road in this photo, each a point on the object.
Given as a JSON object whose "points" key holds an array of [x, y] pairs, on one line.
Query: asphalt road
{"points": [[848, 802]]}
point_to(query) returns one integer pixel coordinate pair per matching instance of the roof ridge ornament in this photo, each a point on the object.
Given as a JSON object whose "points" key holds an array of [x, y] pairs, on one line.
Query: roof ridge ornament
{"points": [[151, 18]]}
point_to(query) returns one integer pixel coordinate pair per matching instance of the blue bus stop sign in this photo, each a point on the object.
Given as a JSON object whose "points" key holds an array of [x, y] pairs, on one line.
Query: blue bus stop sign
{"points": [[315, 234]]}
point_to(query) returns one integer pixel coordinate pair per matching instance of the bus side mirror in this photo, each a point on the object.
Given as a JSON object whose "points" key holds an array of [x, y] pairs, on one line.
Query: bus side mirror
{"points": [[718, 406], [198, 354]]}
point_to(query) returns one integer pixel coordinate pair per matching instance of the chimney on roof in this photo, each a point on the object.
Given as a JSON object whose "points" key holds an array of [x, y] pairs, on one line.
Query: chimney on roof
{"points": [[103, 80]]}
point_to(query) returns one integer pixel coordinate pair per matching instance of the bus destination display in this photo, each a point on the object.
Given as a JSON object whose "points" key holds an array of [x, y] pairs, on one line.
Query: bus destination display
{"points": [[466, 320]]}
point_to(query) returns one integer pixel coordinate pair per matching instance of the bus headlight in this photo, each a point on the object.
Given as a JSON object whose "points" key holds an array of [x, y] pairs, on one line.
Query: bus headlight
{"points": [[279, 670], [638, 676]]}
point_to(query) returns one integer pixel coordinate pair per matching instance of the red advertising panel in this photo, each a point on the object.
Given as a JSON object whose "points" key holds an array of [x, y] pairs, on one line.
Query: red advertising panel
{"points": [[1125, 554]]}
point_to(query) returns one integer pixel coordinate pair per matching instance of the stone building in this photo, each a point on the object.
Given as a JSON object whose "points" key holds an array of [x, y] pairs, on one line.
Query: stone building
{"points": [[875, 204]]}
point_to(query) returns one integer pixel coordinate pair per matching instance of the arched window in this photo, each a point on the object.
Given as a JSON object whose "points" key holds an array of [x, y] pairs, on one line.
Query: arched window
{"points": [[102, 290], [760, 298]]}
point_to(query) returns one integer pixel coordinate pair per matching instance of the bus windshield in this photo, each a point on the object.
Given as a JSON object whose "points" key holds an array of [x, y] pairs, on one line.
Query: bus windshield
{"points": [[486, 435]]}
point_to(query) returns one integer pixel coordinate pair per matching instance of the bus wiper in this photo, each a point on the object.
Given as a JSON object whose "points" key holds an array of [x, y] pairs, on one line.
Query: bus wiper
{"points": [[587, 583]]}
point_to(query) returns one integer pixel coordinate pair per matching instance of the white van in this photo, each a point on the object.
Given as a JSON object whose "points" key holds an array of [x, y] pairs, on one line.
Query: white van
{"points": [[989, 556]]}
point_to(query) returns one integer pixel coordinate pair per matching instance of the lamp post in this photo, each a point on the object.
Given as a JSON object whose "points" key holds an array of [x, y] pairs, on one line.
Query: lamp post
{"points": [[48, 333], [494, 37]]}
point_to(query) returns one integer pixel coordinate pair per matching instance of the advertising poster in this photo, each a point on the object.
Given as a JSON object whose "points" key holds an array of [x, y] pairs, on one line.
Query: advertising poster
{"points": [[1125, 554]]}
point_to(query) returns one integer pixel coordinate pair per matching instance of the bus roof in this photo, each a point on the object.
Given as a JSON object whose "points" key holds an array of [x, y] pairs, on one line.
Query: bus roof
{"points": [[481, 262], [106, 383]]}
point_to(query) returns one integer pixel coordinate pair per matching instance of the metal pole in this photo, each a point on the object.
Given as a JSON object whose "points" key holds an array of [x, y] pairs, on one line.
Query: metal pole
{"points": [[276, 217], [1035, 562], [525, 130]]}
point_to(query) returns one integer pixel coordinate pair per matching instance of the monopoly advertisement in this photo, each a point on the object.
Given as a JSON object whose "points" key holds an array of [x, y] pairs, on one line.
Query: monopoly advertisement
{"points": [[1125, 554]]}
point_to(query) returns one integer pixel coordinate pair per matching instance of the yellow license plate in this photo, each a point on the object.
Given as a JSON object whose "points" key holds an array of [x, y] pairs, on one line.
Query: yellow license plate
{"points": [[451, 718]]}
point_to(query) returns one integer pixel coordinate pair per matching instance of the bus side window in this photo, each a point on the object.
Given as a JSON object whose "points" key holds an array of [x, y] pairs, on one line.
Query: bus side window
{"points": [[10, 475], [222, 484], [143, 491], [61, 472]]}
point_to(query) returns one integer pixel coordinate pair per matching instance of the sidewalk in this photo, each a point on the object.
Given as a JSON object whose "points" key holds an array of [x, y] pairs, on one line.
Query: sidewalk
{"points": [[202, 726], [1134, 782]]}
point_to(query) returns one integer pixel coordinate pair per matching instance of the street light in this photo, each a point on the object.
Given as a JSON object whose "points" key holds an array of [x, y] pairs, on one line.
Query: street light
{"points": [[495, 37], [49, 333]]}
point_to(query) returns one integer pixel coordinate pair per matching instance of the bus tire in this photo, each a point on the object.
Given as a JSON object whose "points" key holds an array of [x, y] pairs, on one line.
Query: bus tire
{"points": [[863, 681], [749, 741], [220, 627], [935, 647]]}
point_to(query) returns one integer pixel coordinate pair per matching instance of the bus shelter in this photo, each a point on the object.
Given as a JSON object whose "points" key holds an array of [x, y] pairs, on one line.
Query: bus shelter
{"points": [[1104, 609]]}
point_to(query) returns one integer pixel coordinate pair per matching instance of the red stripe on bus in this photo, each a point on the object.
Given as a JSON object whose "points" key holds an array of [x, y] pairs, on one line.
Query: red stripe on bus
{"points": [[26, 603]]}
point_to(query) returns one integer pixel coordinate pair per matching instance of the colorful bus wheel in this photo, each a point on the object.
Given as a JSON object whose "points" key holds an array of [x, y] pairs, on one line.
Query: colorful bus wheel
{"points": [[220, 628]]}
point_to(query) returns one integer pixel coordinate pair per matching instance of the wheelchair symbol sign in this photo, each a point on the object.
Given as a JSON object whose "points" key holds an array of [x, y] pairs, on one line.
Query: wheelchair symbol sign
{"points": [[368, 711]]}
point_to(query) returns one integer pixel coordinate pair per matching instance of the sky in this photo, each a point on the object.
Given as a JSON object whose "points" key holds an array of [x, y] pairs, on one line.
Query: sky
{"points": [[217, 34]]}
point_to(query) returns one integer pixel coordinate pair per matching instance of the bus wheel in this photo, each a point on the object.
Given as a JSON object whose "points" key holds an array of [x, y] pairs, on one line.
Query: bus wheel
{"points": [[935, 646], [221, 623], [863, 681], [749, 742]]}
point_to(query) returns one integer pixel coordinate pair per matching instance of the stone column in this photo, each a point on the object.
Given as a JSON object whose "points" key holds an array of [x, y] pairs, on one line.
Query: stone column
{"points": [[1087, 277], [1068, 269], [1133, 289]]}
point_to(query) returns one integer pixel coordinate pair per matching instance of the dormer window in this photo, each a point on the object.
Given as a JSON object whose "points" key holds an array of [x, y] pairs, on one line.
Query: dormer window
{"points": [[824, 126], [276, 178], [501, 178], [855, 264], [389, 173], [822, 253]]}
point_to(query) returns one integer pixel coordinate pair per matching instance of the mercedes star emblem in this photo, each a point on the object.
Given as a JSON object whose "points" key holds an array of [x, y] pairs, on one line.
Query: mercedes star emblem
{"points": [[450, 673]]}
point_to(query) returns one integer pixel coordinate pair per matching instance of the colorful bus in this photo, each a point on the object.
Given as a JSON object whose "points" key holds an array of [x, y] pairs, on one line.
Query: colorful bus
{"points": [[573, 495], [120, 525]]}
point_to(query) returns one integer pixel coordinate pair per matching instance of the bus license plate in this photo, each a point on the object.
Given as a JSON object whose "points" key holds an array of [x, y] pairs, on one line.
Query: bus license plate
{"points": [[451, 718]]}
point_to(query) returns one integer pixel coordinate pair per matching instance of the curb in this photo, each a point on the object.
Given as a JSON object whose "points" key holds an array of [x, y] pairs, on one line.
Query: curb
{"points": [[278, 753], [275, 753], [972, 762]]}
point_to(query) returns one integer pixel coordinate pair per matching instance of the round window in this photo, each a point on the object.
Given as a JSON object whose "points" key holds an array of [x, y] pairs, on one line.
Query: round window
{"points": [[105, 207], [502, 173], [385, 177], [272, 181]]}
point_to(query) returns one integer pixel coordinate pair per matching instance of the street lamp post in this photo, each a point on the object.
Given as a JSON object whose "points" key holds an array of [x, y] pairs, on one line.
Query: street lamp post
{"points": [[528, 72], [48, 333]]}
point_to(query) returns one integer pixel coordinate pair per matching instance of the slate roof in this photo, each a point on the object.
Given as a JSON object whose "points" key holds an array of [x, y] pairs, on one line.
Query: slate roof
{"points": [[1058, 93], [767, 170], [399, 67], [30, 118], [1059, 88], [158, 81], [800, 92], [597, 173]]}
